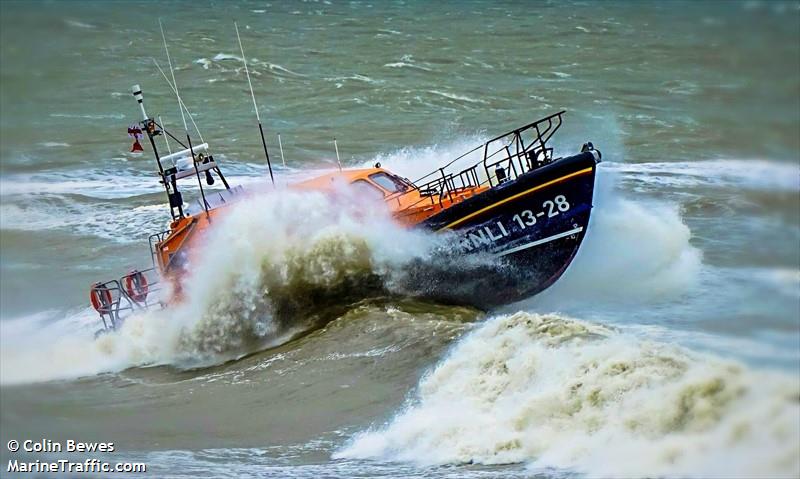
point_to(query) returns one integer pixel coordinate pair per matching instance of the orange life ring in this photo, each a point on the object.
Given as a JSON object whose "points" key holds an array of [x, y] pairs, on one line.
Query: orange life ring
{"points": [[136, 286], [100, 298]]}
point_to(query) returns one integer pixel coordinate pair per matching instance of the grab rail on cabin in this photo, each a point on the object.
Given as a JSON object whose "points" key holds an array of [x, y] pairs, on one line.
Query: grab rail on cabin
{"points": [[504, 158], [153, 240]]}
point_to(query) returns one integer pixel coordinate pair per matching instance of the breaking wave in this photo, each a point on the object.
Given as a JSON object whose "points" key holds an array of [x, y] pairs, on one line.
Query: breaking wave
{"points": [[273, 266], [552, 391], [644, 246]]}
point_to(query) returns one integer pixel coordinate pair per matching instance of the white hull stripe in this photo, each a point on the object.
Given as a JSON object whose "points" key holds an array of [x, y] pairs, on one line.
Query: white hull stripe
{"points": [[541, 241]]}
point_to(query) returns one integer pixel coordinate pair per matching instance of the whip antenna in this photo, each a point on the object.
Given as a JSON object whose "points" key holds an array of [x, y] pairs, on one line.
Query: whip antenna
{"points": [[191, 117], [172, 72], [338, 161], [255, 106], [280, 145], [183, 117], [161, 122]]}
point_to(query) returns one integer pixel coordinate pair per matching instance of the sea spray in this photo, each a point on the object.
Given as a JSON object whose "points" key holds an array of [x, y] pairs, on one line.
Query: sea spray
{"points": [[644, 246], [281, 263], [552, 391], [53, 345], [272, 266], [416, 162]]}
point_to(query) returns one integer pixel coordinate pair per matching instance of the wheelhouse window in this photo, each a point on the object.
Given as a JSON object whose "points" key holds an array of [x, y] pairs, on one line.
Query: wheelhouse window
{"points": [[364, 186], [388, 182]]}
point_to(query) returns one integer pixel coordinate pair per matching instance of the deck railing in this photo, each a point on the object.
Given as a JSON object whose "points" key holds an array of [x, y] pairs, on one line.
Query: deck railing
{"points": [[115, 304], [503, 158]]}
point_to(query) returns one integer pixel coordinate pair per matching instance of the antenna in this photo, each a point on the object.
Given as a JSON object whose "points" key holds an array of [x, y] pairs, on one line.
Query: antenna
{"points": [[183, 117], [280, 145], [255, 106], [172, 72], [163, 126], [191, 117], [339, 161]]}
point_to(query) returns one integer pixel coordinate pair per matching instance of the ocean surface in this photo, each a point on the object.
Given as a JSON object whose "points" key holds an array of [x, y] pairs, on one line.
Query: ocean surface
{"points": [[670, 347]]}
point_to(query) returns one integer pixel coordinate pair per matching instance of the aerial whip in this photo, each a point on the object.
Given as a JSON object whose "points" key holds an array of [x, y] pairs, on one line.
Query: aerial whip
{"points": [[185, 108], [161, 123], [183, 117], [338, 161], [280, 145], [255, 106]]}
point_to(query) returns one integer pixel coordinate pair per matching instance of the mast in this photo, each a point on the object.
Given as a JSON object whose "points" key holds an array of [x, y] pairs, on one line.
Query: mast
{"points": [[173, 195], [255, 106]]}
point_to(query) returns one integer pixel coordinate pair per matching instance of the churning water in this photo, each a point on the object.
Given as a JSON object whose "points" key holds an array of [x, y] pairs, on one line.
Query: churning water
{"points": [[670, 348]]}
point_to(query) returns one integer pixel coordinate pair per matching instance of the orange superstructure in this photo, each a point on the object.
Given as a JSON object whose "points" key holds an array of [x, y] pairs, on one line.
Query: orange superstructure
{"points": [[409, 204]]}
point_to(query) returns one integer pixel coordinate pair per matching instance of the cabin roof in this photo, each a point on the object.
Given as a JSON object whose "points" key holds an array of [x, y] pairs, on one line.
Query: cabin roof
{"points": [[336, 178]]}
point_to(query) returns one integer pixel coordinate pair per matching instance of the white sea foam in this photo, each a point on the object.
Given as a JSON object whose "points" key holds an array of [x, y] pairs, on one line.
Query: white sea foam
{"points": [[103, 188], [414, 162], [226, 56], [407, 61], [113, 183], [453, 96], [355, 77], [280, 68], [635, 252], [758, 349], [205, 62], [112, 116], [784, 280], [44, 201], [52, 345], [79, 24], [406, 65], [552, 391], [750, 174], [105, 221], [272, 247]]}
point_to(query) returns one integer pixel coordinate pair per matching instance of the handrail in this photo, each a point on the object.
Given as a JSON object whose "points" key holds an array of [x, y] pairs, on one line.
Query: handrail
{"points": [[153, 240], [448, 164], [528, 157], [120, 301]]}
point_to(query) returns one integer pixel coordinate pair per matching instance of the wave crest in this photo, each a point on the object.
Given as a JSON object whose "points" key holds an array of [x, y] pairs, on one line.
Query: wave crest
{"points": [[272, 267], [557, 392]]}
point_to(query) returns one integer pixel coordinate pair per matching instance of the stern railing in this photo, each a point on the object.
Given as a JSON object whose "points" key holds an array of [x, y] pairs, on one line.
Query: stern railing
{"points": [[116, 299]]}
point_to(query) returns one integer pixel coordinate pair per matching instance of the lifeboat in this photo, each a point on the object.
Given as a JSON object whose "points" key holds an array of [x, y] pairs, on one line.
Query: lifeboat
{"points": [[511, 201]]}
